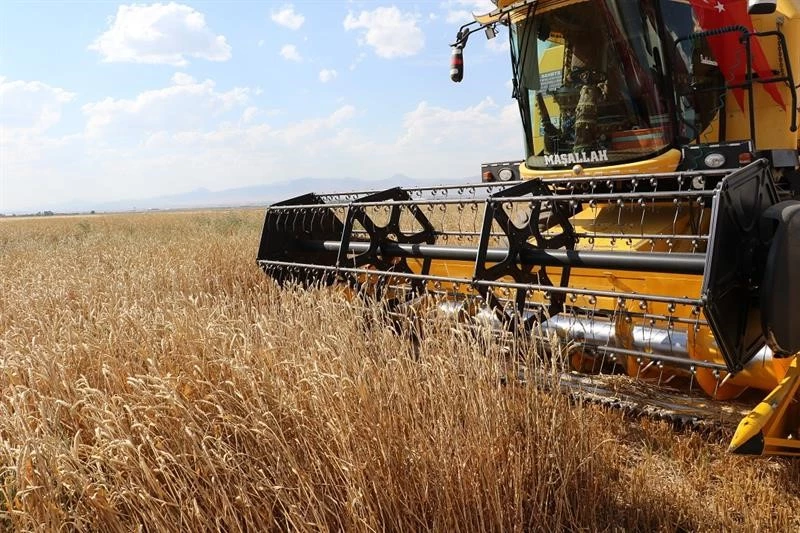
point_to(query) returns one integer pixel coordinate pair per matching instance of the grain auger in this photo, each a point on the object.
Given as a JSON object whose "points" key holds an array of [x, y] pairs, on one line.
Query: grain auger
{"points": [[638, 232]]}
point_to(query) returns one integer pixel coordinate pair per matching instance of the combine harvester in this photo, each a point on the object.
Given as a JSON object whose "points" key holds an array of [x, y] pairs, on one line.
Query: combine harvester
{"points": [[653, 225]]}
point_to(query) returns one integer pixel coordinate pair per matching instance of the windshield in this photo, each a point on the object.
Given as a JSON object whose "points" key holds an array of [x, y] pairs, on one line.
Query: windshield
{"points": [[590, 80], [695, 74]]}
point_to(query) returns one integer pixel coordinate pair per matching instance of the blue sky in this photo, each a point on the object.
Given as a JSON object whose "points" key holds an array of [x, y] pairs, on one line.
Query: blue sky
{"points": [[104, 101]]}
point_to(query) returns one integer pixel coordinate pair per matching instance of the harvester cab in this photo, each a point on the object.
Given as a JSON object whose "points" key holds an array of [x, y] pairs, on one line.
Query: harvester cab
{"points": [[653, 227]]}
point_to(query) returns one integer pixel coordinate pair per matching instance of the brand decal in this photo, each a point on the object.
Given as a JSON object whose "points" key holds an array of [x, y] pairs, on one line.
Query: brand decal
{"points": [[595, 156]]}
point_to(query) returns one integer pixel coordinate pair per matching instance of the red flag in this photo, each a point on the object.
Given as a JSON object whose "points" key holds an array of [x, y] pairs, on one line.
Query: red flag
{"points": [[728, 51]]}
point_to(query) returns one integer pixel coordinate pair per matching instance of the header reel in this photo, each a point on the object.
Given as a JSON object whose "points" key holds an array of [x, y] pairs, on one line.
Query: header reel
{"points": [[625, 252]]}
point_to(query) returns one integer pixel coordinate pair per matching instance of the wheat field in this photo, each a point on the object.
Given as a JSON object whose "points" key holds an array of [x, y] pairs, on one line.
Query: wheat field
{"points": [[153, 379]]}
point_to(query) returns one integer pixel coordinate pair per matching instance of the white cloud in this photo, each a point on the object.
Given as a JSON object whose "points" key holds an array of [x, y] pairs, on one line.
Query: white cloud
{"points": [[390, 32], [30, 106], [357, 61], [288, 17], [458, 16], [307, 128], [29, 110], [289, 53], [326, 75], [181, 78], [435, 125], [186, 105], [499, 44], [195, 134], [250, 114], [432, 142], [261, 43], [461, 11], [160, 33]]}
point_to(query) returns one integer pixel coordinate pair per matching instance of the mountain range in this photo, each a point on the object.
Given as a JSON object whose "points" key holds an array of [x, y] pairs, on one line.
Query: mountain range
{"points": [[253, 195]]}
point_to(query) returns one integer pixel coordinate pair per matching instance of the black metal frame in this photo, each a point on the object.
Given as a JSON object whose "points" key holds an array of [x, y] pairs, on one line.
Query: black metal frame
{"points": [[380, 236], [519, 242], [286, 227], [738, 248]]}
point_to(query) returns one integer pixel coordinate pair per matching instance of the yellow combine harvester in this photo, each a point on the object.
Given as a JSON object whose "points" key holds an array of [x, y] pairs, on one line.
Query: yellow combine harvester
{"points": [[654, 225]]}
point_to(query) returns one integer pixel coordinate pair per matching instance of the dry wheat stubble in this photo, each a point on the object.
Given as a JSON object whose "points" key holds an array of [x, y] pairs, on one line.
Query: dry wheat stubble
{"points": [[152, 377]]}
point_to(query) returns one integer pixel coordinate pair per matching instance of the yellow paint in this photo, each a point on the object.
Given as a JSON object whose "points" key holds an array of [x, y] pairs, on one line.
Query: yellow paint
{"points": [[768, 419], [666, 162]]}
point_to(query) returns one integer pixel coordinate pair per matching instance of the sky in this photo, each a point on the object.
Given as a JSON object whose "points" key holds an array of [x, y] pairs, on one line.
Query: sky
{"points": [[103, 101]]}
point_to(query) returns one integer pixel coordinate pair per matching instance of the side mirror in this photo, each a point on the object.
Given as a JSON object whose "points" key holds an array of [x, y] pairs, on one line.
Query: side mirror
{"points": [[761, 7]]}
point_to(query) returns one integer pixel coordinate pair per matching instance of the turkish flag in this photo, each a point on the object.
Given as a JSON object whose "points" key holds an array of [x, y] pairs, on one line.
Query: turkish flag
{"points": [[729, 53]]}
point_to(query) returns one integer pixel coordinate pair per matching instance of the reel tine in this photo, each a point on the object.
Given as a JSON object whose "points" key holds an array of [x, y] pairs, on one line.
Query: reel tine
{"points": [[677, 202], [297, 223]]}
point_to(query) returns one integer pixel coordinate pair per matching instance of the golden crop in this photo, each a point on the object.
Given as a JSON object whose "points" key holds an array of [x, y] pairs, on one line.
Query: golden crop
{"points": [[152, 378]]}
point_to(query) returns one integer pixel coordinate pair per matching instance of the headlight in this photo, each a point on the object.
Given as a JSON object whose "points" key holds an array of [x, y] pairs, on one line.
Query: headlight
{"points": [[714, 160]]}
